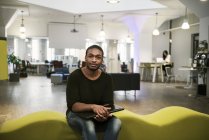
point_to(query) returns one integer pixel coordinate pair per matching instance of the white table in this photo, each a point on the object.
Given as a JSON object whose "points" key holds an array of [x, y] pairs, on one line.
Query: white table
{"points": [[40, 65], [190, 76], [154, 66]]}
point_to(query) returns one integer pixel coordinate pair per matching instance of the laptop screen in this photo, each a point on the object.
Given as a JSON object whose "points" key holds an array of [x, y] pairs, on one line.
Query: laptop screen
{"points": [[159, 59]]}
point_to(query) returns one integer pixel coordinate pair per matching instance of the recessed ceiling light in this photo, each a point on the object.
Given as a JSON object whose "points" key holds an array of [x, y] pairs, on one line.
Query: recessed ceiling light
{"points": [[203, 0], [112, 1]]}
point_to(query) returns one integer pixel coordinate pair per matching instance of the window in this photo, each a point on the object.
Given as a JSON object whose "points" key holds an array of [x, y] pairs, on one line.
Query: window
{"points": [[50, 52], [122, 51]]}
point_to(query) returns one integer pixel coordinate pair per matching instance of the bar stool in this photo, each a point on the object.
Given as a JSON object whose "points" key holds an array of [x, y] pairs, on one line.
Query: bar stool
{"points": [[169, 74]]}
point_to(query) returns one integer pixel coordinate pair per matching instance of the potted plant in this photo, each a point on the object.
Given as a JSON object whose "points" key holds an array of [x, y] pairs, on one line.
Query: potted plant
{"points": [[15, 61]]}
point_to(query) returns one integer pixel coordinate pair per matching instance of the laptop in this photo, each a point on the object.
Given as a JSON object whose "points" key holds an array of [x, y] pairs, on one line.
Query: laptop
{"points": [[159, 60], [90, 114]]}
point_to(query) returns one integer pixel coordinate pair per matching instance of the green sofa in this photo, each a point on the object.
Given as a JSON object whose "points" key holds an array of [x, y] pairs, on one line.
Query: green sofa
{"points": [[171, 123]]}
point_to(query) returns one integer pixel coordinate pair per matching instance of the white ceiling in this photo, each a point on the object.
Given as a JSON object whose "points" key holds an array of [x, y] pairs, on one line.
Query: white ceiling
{"points": [[63, 10], [91, 9], [96, 6], [201, 9]]}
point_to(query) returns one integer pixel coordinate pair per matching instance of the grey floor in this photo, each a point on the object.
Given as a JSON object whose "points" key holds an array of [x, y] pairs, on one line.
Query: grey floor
{"points": [[36, 93]]}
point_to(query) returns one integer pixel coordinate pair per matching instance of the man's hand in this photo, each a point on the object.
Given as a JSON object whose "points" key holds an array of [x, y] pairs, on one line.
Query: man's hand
{"points": [[102, 112]]}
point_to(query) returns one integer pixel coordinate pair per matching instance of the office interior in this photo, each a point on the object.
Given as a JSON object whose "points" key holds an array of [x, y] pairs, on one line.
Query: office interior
{"points": [[129, 38]]}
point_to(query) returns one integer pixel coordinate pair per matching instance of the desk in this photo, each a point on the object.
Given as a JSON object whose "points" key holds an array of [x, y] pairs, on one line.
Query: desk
{"points": [[187, 68], [41, 67], [154, 66]]}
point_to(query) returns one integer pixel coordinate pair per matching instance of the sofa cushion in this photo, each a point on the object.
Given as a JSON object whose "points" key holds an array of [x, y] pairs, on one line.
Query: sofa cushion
{"points": [[43, 125], [171, 123]]}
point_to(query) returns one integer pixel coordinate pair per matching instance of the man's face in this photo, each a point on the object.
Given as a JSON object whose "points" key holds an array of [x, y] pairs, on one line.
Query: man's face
{"points": [[93, 59]]}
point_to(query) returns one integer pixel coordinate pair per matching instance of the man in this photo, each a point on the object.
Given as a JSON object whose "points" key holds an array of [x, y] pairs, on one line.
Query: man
{"points": [[90, 89]]}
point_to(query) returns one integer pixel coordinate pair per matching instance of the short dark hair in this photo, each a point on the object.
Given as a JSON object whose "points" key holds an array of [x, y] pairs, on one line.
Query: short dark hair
{"points": [[95, 47]]}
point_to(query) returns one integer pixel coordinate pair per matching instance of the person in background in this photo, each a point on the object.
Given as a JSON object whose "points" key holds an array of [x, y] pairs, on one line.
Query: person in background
{"points": [[90, 89], [166, 56], [166, 61]]}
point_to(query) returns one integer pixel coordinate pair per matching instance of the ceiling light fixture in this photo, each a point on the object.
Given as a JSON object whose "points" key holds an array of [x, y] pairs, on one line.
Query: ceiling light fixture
{"points": [[102, 32], [185, 24], [22, 27], [112, 1], [74, 29], [203, 0], [156, 31]]}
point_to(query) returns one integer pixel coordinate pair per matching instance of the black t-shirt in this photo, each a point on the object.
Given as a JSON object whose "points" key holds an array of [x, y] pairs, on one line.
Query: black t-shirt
{"points": [[84, 90]]}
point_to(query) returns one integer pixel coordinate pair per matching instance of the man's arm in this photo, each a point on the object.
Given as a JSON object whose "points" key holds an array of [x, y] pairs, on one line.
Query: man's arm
{"points": [[72, 90], [102, 111], [79, 107]]}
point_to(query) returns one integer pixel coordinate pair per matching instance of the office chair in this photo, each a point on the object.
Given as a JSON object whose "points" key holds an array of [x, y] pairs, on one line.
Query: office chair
{"points": [[124, 68], [31, 68]]}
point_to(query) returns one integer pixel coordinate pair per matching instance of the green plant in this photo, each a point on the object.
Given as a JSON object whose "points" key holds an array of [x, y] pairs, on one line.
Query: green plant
{"points": [[15, 61]]}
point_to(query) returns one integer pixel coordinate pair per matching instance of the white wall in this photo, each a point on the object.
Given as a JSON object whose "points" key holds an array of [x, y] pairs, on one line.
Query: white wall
{"points": [[145, 47], [161, 42], [5, 16], [38, 48], [2, 31], [113, 64], [204, 23], [21, 49], [61, 36], [34, 27]]}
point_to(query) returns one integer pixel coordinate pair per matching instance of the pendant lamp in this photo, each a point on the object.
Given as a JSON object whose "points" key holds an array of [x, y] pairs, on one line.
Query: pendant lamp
{"points": [[185, 25], [22, 27], [102, 32], [156, 31]]}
